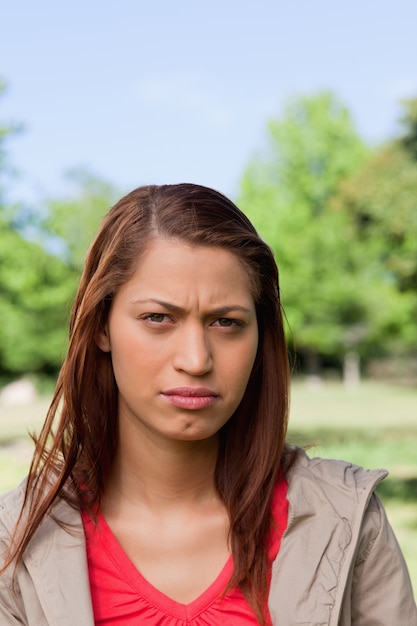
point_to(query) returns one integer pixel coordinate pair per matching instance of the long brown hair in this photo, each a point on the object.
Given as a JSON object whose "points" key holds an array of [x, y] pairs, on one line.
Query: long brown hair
{"points": [[77, 443]]}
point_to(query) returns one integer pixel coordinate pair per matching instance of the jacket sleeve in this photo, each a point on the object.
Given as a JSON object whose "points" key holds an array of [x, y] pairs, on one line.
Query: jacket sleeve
{"points": [[381, 591]]}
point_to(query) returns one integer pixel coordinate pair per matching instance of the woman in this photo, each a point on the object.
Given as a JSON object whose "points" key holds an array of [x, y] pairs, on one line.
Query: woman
{"points": [[161, 491]]}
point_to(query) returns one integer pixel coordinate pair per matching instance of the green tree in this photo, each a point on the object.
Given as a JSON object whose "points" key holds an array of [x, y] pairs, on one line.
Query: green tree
{"points": [[35, 291], [35, 288], [380, 200], [70, 222], [38, 278], [287, 193]]}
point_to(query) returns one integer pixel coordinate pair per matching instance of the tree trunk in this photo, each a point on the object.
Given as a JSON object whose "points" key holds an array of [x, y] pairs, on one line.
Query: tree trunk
{"points": [[313, 368], [351, 369]]}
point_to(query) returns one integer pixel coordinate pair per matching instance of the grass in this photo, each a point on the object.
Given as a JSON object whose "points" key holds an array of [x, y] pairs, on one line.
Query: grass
{"points": [[374, 426]]}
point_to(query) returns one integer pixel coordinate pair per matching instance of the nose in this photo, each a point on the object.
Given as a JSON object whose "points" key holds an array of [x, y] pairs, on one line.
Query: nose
{"points": [[192, 352]]}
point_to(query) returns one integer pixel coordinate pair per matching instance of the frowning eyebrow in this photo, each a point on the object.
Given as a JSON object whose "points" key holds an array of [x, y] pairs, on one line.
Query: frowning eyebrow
{"points": [[223, 310]]}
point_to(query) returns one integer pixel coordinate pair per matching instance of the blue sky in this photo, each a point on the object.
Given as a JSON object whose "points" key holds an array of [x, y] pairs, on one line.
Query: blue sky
{"points": [[157, 91]]}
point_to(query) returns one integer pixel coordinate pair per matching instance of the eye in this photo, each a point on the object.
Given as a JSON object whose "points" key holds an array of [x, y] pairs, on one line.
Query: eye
{"points": [[157, 318], [228, 322]]}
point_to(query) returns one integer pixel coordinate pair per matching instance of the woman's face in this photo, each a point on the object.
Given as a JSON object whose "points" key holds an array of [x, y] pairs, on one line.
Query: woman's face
{"points": [[183, 337]]}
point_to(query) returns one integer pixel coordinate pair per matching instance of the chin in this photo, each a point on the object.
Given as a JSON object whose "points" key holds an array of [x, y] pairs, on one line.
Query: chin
{"points": [[194, 434]]}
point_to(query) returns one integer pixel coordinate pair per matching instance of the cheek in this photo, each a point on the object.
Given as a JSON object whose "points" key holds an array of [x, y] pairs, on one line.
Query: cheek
{"points": [[136, 360], [243, 361]]}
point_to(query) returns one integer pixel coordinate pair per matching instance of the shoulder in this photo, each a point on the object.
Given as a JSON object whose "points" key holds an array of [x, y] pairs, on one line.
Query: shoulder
{"points": [[52, 571], [337, 529], [339, 484], [61, 518], [333, 471]]}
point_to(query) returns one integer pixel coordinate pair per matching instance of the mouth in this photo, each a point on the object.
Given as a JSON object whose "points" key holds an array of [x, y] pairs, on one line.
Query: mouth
{"points": [[191, 398]]}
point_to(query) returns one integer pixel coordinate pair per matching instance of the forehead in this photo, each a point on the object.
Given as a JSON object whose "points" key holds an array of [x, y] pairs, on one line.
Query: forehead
{"points": [[172, 265]]}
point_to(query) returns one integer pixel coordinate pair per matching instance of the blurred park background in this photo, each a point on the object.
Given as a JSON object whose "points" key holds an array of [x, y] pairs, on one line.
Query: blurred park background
{"points": [[305, 115]]}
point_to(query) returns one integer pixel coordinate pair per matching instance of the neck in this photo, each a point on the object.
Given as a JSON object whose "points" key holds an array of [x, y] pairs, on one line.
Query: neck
{"points": [[160, 473]]}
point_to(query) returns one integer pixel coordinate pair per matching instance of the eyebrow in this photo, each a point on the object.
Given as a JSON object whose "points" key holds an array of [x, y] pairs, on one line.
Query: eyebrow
{"points": [[223, 310]]}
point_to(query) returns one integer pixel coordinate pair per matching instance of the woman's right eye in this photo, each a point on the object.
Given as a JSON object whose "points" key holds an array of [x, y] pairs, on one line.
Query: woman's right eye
{"points": [[157, 318]]}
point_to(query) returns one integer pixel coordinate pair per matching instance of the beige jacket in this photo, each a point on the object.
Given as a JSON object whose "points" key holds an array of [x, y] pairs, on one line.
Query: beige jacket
{"points": [[339, 563]]}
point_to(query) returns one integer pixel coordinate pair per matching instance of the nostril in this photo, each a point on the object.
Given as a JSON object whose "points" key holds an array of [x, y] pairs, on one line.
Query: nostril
{"points": [[194, 356]]}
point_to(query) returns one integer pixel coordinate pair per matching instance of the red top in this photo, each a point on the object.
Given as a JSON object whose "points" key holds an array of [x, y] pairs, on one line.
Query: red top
{"points": [[121, 596]]}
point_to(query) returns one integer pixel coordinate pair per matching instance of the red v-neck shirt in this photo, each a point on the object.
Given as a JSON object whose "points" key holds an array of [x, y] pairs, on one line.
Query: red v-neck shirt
{"points": [[121, 596]]}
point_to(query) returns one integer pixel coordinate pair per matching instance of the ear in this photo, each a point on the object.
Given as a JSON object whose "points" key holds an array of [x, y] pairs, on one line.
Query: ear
{"points": [[103, 339]]}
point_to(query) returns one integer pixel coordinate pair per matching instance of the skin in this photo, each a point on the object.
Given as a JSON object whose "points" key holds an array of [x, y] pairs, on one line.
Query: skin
{"points": [[183, 336]]}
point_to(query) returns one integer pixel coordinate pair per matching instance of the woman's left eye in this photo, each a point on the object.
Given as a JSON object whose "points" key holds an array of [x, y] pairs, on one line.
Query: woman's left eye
{"points": [[227, 322]]}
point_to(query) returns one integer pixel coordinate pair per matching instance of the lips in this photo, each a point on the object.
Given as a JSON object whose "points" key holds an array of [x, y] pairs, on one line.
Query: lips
{"points": [[192, 398]]}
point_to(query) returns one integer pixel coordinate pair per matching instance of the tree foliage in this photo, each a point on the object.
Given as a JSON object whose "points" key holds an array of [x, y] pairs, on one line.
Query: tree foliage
{"points": [[35, 290], [381, 203], [70, 222], [287, 194], [342, 221], [38, 278], [40, 267]]}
